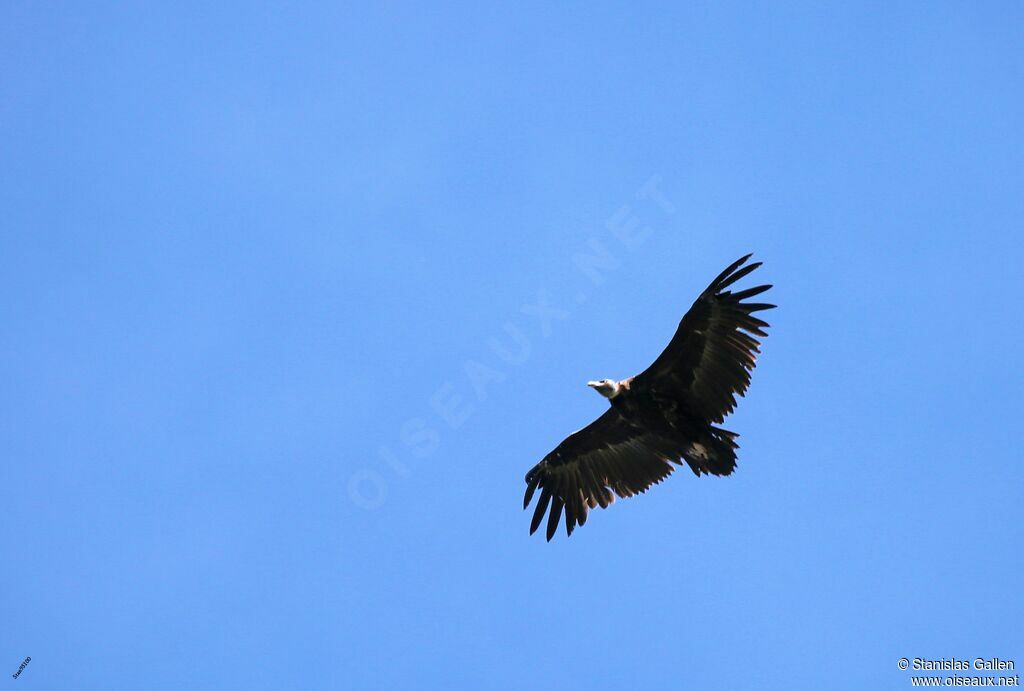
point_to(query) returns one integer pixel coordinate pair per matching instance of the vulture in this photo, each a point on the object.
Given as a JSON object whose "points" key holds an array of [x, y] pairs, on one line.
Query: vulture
{"points": [[667, 414]]}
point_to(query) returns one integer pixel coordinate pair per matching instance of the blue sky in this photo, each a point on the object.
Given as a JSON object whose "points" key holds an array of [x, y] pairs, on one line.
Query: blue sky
{"points": [[293, 296]]}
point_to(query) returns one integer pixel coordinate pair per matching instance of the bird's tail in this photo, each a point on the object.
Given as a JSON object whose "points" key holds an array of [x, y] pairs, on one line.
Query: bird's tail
{"points": [[714, 453]]}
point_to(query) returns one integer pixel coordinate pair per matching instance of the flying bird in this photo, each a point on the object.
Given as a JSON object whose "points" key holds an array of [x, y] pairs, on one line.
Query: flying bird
{"points": [[665, 415]]}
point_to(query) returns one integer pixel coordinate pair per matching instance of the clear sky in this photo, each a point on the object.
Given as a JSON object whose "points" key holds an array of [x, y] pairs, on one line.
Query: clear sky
{"points": [[293, 296]]}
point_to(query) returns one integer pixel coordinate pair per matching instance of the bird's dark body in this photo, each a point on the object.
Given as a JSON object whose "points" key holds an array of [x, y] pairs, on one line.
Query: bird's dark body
{"points": [[649, 411], [660, 414], [664, 416]]}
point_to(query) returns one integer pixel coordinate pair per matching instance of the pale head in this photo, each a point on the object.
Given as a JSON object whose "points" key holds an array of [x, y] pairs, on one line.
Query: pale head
{"points": [[608, 388]]}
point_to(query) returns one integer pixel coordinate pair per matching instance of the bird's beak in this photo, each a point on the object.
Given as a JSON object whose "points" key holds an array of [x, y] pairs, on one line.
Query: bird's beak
{"points": [[593, 384]]}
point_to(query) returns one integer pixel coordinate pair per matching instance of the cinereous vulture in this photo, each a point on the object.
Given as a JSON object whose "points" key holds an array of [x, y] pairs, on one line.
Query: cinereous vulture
{"points": [[663, 416]]}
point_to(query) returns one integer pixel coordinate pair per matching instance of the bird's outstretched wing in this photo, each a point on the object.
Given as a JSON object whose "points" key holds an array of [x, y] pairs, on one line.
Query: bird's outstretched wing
{"points": [[608, 455], [710, 358]]}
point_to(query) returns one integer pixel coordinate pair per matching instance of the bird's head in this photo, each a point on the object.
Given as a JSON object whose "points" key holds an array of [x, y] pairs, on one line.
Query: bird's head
{"points": [[606, 387]]}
